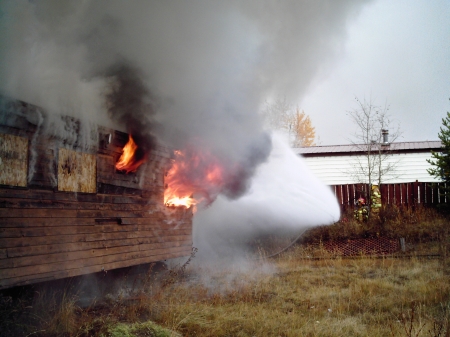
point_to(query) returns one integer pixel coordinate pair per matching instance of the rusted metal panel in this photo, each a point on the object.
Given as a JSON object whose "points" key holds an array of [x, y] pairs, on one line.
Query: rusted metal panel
{"points": [[77, 171], [13, 160]]}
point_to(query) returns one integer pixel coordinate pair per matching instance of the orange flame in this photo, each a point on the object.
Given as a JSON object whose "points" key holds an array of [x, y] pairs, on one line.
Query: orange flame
{"points": [[128, 161], [192, 179]]}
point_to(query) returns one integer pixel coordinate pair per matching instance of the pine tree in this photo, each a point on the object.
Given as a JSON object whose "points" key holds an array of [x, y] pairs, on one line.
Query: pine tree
{"points": [[441, 159]]}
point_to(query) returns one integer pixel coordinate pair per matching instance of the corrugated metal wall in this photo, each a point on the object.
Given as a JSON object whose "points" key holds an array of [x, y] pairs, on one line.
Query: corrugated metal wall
{"points": [[339, 170]]}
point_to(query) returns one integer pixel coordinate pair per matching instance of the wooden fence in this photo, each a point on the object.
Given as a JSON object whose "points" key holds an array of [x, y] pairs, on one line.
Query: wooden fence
{"points": [[404, 194]]}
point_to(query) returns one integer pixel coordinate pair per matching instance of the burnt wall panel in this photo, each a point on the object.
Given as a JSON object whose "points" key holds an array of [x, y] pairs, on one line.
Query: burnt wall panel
{"points": [[77, 171], [13, 160]]}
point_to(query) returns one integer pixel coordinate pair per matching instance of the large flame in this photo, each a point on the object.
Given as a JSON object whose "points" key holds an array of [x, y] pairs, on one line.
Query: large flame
{"points": [[128, 161], [193, 178]]}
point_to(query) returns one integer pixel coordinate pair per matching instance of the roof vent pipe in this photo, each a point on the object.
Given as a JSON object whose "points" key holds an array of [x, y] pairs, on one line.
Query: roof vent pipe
{"points": [[385, 134]]}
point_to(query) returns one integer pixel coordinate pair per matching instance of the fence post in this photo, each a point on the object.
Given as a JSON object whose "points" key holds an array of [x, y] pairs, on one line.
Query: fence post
{"points": [[402, 244], [384, 194], [351, 195], [405, 199], [345, 195], [391, 194]]}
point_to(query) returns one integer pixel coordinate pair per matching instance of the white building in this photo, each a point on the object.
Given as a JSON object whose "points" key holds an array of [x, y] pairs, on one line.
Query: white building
{"points": [[335, 165]]}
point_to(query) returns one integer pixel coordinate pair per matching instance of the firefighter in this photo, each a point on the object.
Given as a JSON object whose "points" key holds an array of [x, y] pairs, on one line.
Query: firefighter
{"points": [[362, 212], [375, 201]]}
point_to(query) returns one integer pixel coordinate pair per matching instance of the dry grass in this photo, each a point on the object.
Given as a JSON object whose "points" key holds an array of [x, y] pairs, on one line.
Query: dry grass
{"points": [[363, 297], [289, 296]]}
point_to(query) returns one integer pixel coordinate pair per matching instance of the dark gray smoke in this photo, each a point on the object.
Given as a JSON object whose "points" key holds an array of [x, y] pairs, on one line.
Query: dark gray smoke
{"points": [[130, 104], [180, 72]]}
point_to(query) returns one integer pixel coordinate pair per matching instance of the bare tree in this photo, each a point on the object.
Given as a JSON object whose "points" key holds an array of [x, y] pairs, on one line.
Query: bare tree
{"points": [[280, 115], [374, 124], [277, 114]]}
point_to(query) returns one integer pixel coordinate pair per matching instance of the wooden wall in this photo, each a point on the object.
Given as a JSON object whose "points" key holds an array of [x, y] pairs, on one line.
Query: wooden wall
{"points": [[75, 214]]}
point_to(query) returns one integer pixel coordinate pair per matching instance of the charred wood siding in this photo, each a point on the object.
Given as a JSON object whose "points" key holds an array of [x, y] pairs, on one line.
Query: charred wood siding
{"points": [[73, 213], [403, 194]]}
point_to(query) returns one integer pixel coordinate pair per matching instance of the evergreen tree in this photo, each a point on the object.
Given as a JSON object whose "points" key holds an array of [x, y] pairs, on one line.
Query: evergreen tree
{"points": [[441, 159]]}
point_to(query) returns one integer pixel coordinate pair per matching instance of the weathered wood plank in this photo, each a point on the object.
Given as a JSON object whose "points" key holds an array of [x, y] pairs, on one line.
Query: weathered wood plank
{"points": [[24, 280], [44, 222], [404, 191], [109, 259], [428, 193], [51, 195], [442, 196], [45, 231], [345, 196], [392, 196], [103, 227], [55, 234], [108, 187], [151, 239], [81, 213], [384, 194], [170, 216], [80, 246], [422, 192], [13, 160], [341, 194], [84, 254], [53, 239], [77, 171], [17, 126], [351, 195], [51, 204], [64, 213]]}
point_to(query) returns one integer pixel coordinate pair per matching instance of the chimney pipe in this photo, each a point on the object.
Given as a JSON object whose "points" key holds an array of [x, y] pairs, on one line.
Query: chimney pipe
{"points": [[385, 134]]}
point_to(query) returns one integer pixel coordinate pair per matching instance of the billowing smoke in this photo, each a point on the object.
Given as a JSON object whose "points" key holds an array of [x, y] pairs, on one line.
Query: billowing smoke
{"points": [[186, 73], [129, 103], [169, 70]]}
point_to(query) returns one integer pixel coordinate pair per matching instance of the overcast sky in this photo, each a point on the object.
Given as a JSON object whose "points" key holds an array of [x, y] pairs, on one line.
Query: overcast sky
{"points": [[396, 52]]}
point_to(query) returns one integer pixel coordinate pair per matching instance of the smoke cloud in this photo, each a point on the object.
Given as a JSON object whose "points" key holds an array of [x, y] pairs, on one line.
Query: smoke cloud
{"points": [[188, 74], [176, 71]]}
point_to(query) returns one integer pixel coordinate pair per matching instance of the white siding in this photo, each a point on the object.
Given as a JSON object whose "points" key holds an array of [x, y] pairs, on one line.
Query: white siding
{"points": [[337, 170]]}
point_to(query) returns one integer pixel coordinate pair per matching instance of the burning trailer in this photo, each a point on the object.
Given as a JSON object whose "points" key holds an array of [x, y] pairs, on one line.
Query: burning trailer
{"points": [[70, 207]]}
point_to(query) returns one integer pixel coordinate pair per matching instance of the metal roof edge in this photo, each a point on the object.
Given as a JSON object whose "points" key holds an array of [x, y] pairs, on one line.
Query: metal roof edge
{"points": [[402, 147]]}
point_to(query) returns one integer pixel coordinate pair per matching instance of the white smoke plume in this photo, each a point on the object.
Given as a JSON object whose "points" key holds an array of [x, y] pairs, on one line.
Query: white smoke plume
{"points": [[181, 72], [284, 200]]}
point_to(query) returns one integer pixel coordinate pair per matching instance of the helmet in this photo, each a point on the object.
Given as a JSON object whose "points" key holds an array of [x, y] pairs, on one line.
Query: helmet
{"points": [[361, 201]]}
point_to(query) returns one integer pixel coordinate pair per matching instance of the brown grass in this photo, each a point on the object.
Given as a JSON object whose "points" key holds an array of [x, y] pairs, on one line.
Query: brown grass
{"points": [[297, 297]]}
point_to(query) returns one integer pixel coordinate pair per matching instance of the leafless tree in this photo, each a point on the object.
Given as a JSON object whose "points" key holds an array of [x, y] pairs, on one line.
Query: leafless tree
{"points": [[374, 122]]}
